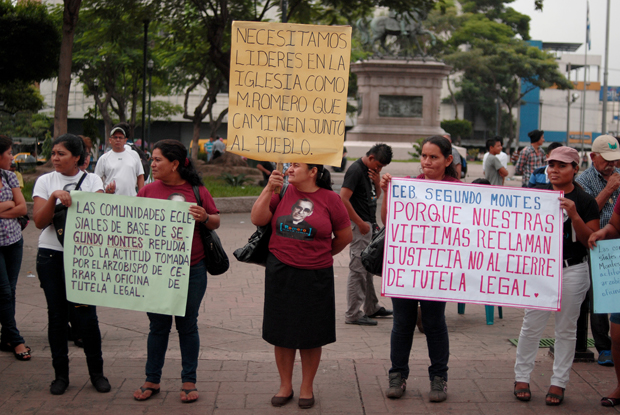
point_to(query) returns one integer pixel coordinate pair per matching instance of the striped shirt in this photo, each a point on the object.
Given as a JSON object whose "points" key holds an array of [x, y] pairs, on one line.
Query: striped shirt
{"points": [[593, 183], [529, 160]]}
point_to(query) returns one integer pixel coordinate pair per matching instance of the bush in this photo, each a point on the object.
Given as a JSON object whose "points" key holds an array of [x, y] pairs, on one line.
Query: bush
{"points": [[458, 129], [238, 180], [417, 148], [203, 156]]}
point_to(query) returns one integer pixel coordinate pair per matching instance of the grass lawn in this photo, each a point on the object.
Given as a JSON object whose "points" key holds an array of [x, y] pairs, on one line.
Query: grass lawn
{"points": [[217, 188]]}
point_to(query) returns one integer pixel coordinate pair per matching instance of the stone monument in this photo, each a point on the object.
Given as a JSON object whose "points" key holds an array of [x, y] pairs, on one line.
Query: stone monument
{"points": [[398, 94]]}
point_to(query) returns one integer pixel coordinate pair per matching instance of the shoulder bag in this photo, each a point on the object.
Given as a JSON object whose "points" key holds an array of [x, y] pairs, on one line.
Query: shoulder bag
{"points": [[257, 248], [60, 215], [22, 220], [215, 256], [372, 256]]}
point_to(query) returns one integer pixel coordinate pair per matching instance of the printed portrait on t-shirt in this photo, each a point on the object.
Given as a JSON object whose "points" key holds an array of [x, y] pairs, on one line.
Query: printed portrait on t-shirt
{"points": [[294, 226], [178, 197], [69, 187]]}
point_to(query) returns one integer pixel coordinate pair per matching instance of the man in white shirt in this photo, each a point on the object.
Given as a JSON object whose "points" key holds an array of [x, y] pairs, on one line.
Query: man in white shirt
{"points": [[120, 169]]}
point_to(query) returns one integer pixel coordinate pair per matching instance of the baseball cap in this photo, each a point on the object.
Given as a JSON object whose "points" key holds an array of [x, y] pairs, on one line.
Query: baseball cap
{"points": [[607, 146], [564, 154], [115, 129]]}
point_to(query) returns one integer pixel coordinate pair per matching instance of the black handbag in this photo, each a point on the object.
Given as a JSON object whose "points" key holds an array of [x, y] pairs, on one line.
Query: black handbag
{"points": [[60, 215], [22, 220], [215, 256], [372, 256], [257, 248]]}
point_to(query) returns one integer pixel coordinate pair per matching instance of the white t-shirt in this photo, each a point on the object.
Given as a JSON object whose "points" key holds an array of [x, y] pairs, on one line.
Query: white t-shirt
{"points": [[48, 184], [124, 168], [503, 158]]}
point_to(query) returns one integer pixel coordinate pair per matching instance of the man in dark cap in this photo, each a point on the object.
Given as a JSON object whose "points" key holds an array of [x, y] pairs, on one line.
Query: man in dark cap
{"points": [[532, 157]]}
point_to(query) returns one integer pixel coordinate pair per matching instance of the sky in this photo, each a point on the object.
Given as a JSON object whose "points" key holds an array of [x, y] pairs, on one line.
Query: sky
{"points": [[565, 21]]}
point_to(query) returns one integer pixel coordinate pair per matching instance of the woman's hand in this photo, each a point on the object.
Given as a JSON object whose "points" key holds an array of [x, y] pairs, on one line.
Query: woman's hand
{"points": [[63, 196], [385, 182], [199, 213], [596, 236], [111, 188], [569, 206], [276, 180]]}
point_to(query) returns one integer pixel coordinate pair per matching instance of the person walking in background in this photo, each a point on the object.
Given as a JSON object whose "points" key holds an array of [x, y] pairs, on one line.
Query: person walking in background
{"points": [[602, 181], [581, 219], [300, 303], [219, 148], [12, 205], [51, 189], [531, 157], [494, 170], [539, 178], [456, 157], [175, 179], [436, 160], [120, 169], [359, 193]]}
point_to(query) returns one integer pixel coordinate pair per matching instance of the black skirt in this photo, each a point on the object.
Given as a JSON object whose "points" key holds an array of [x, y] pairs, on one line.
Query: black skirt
{"points": [[300, 306]]}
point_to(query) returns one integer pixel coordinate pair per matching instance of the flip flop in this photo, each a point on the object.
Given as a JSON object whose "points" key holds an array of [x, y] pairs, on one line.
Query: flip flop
{"points": [[560, 398], [153, 393], [610, 401], [523, 390], [187, 392]]}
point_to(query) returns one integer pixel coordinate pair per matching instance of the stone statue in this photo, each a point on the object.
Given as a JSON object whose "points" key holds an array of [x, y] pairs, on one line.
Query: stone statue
{"points": [[405, 26]]}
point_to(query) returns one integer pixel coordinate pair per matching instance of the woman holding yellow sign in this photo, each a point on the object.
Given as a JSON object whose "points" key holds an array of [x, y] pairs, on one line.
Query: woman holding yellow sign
{"points": [[300, 309], [175, 179]]}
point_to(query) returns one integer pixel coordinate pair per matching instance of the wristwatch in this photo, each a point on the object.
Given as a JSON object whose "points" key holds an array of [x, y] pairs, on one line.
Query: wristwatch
{"points": [[206, 220]]}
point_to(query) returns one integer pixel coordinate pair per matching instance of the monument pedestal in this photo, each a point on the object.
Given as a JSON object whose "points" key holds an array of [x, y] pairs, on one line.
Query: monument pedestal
{"points": [[398, 100]]}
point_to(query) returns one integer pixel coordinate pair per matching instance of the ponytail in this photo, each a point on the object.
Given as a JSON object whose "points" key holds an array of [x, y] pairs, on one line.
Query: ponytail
{"points": [[323, 176]]}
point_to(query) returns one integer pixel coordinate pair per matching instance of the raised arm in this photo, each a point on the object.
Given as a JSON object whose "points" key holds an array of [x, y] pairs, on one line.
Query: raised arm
{"points": [[261, 215]]}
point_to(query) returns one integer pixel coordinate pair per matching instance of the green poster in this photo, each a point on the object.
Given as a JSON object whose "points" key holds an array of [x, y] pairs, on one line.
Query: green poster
{"points": [[128, 252]]}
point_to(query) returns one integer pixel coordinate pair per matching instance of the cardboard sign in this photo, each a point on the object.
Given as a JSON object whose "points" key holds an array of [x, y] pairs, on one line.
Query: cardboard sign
{"points": [[128, 252], [288, 92], [605, 263], [473, 244]]}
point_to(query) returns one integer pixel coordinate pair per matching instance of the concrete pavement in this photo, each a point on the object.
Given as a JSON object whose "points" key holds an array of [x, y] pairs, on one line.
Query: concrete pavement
{"points": [[237, 373]]}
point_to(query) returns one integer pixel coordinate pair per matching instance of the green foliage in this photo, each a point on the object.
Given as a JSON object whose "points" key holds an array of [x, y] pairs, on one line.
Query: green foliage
{"points": [[46, 151], [219, 188], [26, 124], [29, 42], [203, 156], [457, 128], [235, 180], [417, 148], [20, 96]]}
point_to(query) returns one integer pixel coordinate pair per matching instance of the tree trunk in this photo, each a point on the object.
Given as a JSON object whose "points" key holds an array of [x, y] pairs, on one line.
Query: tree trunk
{"points": [[195, 136], [453, 99], [510, 131], [61, 106]]}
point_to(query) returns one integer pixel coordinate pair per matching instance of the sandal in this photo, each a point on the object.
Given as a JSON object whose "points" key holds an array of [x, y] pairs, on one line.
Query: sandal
{"points": [[560, 398], [143, 389], [610, 401], [187, 392], [23, 356], [523, 390]]}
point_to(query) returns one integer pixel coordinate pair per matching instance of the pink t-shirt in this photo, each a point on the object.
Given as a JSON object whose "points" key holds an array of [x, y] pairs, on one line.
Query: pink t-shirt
{"points": [[158, 190], [303, 224]]}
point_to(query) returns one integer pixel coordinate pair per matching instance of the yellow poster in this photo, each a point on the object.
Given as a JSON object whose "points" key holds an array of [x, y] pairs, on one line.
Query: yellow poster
{"points": [[288, 92]]}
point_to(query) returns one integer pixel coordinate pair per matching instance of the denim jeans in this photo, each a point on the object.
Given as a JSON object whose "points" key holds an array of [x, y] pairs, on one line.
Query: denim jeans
{"points": [[50, 268], [10, 263], [435, 329], [187, 327]]}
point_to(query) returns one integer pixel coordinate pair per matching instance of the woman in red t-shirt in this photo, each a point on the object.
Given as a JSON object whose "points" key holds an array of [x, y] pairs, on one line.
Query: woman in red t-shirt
{"points": [[300, 307], [175, 177], [437, 164]]}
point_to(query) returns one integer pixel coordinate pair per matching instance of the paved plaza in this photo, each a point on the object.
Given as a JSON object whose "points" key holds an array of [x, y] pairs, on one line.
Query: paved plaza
{"points": [[237, 373]]}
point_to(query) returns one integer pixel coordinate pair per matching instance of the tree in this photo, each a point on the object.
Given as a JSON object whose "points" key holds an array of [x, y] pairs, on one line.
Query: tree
{"points": [[70, 15], [29, 49]]}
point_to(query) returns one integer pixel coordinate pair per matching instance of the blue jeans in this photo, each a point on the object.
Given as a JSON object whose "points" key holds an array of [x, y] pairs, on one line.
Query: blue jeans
{"points": [[50, 268], [435, 329], [187, 327], [10, 263]]}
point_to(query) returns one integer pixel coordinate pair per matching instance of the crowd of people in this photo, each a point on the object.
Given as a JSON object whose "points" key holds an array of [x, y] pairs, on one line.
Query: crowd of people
{"points": [[310, 224]]}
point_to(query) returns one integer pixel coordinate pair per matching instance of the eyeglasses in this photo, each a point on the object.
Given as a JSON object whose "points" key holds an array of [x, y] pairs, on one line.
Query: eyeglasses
{"points": [[117, 137]]}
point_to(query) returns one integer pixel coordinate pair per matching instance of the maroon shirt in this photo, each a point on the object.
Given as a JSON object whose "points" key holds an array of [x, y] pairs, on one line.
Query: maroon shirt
{"points": [[158, 190]]}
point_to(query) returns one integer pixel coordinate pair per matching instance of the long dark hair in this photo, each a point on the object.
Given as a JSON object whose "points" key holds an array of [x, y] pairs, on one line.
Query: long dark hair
{"points": [[174, 150], [446, 150], [5, 143], [74, 144], [323, 176]]}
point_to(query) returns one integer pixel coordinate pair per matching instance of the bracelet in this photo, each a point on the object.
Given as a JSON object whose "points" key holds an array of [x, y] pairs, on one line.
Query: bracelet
{"points": [[206, 220]]}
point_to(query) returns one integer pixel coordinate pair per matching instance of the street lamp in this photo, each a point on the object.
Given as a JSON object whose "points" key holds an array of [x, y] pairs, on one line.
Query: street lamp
{"points": [[570, 98], [150, 68]]}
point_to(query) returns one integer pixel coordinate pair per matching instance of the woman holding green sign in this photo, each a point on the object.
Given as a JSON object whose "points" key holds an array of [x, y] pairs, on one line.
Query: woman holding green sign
{"points": [[52, 190], [175, 179]]}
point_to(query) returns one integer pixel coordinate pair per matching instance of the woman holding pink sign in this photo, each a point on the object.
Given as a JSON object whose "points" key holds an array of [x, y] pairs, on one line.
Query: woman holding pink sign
{"points": [[436, 160], [581, 219]]}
